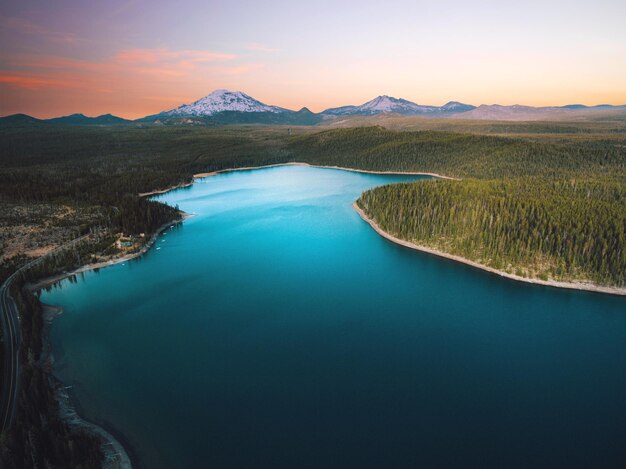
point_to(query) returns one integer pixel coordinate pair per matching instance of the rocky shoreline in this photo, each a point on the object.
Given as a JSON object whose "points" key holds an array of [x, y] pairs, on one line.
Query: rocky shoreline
{"points": [[116, 454]]}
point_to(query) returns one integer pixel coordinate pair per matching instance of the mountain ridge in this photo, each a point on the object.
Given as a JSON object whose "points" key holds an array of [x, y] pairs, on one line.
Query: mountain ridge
{"points": [[222, 107], [81, 119], [389, 104]]}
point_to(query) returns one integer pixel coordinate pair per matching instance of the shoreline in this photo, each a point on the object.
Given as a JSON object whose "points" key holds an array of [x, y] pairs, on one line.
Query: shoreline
{"points": [[163, 191], [297, 163], [116, 449], [589, 287], [47, 281], [117, 455], [293, 163]]}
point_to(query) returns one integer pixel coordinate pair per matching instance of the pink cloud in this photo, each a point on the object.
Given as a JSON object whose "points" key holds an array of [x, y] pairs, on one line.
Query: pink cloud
{"points": [[239, 69], [134, 82], [39, 62], [21, 26], [155, 56], [31, 82], [127, 64]]}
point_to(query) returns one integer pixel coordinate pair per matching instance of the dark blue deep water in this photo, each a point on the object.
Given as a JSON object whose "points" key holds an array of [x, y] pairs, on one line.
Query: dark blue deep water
{"points": [[277, 329]]}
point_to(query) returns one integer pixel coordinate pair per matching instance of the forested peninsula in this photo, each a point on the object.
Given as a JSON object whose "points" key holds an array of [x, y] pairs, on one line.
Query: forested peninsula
{"points": [[563, 230]]}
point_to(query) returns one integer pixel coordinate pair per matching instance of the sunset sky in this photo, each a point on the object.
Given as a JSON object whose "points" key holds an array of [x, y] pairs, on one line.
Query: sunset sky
{"points": [[133, 58]]}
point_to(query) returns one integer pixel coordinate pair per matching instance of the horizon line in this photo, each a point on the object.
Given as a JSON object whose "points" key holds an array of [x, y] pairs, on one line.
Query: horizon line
{"points": [[121, 115]]}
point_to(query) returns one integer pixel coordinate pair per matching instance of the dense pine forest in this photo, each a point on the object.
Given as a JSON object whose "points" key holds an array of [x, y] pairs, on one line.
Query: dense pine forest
{"points": [[459, 154], [541, 205], [540, 209], [100, 170], [564, 229]]}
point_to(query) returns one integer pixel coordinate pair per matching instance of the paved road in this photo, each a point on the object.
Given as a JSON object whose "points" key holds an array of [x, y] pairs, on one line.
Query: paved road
{"points": [[11, 338], [11, 357]]}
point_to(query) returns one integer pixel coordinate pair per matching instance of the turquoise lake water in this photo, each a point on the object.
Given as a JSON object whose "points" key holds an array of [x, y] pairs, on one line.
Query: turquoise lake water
{"points": [[277, 329]]}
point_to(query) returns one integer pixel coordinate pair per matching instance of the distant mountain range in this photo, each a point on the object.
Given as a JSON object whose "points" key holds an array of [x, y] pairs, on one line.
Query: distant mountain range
{"points": [[235, 107], [74, 119], [518, 112], [81, 119]]}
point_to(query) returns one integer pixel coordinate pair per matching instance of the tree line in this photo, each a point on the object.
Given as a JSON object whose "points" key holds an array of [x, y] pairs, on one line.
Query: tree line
{"points": [[459, 155]]}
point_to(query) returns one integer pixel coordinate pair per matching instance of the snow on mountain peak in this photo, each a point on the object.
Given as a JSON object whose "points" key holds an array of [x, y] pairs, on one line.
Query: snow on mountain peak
{"points": [[383, 104], [380, 103], [222, 100], [386, 103]]}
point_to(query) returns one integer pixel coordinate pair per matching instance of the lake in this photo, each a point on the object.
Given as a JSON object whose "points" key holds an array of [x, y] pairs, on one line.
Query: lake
{"points": [[276, 329]]}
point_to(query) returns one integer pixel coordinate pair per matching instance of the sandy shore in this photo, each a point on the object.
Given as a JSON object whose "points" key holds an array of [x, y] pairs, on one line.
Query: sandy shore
{"points": [[163, 191], [248, 168], [549, 283]]}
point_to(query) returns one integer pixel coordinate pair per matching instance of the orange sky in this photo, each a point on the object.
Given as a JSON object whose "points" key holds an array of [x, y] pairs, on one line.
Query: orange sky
{"points": [[130, 60]]}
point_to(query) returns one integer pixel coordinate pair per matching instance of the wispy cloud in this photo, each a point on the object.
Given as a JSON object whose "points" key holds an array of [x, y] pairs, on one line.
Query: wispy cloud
{"points": [[123, 8], [258, 47], [160, 56], [238, 69], [131, 82], [40, 71], [22, 26], [32, 81]]}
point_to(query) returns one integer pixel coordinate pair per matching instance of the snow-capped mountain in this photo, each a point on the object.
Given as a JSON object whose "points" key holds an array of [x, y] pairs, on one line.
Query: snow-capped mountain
{"points": [[220, 101], [455, 106], [223, 107], [389, 104], [380, 104]]}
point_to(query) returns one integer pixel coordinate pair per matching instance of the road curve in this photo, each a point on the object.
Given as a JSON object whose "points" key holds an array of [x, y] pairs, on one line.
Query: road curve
{"points": [[11, 339], [11, 357]]}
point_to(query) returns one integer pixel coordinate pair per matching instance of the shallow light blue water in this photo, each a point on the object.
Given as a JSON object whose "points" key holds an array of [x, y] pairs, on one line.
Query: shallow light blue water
{"points": [[277, 329]]}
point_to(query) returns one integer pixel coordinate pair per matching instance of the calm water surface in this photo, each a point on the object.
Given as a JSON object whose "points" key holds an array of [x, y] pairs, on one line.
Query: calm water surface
{"points": [[277, 329]]}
